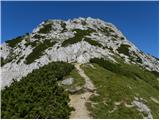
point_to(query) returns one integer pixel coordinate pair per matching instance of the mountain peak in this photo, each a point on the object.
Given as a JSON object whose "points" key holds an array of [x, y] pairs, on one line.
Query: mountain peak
{"points": [[76, 40]]}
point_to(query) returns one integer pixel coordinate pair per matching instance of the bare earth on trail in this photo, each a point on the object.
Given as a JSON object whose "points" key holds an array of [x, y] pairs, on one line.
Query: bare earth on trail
{"points": [[78, 101]]}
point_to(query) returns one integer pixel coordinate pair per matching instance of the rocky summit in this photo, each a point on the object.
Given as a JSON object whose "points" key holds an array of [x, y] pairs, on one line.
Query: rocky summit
{"points": [[113, 78]]}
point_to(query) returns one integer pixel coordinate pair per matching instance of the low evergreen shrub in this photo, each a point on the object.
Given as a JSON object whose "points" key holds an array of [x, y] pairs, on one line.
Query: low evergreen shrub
{"points": [[78, 36], [12, 43], [93, 42], [38, 96], [38, 51], [124, 49]]}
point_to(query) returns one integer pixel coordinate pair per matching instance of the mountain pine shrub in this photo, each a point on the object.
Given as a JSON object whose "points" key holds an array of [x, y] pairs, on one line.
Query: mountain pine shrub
{"points": [[124, 49], [78, 36], [12, 43], [38, 96], [93, 42], [46, 28], [38, 51]]}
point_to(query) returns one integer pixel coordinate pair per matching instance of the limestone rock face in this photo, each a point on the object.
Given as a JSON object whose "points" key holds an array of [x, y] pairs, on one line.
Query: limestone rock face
{"points": [[76, 40]]}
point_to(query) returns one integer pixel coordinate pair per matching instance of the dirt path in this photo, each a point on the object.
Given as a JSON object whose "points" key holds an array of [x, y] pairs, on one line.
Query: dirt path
{"points": [[88, 84], [78, 101]]}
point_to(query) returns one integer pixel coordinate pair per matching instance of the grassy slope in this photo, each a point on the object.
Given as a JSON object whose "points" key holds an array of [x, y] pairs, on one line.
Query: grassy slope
{"points": [[113, 87]]}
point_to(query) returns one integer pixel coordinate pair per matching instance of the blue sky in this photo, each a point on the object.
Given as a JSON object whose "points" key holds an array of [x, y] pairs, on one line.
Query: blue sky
{"points": [[138, 21]]}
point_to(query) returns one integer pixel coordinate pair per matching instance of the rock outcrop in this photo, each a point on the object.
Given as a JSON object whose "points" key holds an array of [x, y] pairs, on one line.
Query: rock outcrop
{"points": [[76, 40]]}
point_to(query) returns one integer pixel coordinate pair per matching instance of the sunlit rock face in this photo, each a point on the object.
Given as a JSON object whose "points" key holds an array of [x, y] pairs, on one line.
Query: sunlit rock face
{"points": [[77, 40]]}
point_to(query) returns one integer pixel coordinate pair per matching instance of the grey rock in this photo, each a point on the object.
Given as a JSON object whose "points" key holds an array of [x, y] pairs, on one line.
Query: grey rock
{"points": [[80, 52], [68, 81], [143, 108]]}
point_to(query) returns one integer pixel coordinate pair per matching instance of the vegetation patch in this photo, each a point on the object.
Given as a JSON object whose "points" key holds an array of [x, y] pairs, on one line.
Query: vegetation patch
{"points": [[63, 25], [12, 43], [114, 36], [78, 36], [113, 39], [38, 96], [111, 30], [105, 31], [130, 71], [138, 59], [124, 49], [110, 48], [106, 64], [38, 36], [3, 62], [20, 59], [33, 44], [83, 22], [122, 38], [38, 51], [155, 73], [93, 42], [113, 87], [11, 57], [46, 28]]}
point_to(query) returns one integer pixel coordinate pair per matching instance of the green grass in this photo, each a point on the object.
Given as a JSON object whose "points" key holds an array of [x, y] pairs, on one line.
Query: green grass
{"points": [[38, 96], [156, 73], [78, 36], [12, 43], [131, 71], [93, 42], [113, 87], [38, 51]]}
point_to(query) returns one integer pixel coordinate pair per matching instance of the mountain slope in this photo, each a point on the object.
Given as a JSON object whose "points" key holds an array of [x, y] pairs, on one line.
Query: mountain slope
{"points": [[85, 41], [35, 96], [75, 40], [124, 91]]}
